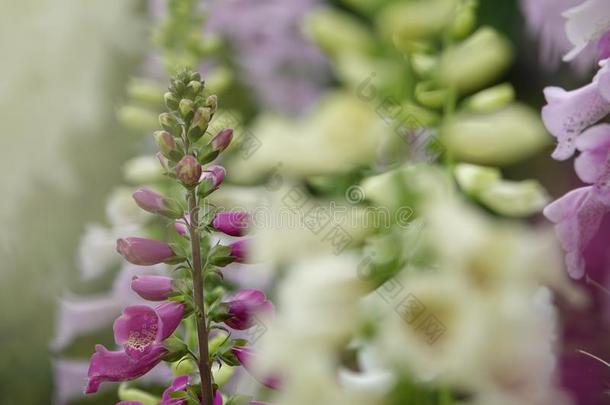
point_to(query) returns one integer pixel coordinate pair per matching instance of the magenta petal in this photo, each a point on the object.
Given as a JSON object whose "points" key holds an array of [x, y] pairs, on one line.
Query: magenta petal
{"points": [[244, 306], [603, 46], [217, 398], [117, 366], [179, 384], [144, 252], [137, 329], [153, 288], [171, 313], [234, 223]]}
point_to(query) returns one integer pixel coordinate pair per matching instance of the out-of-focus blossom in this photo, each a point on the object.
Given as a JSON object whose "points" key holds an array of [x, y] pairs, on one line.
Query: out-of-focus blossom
{"points": [[545, 21], [234, 223], [568, 113], [586, 23], [152, 288], [246, 304], [144, 252], [593, 164], [246, 355], [577, 216], [240, 250], [284, 69]]}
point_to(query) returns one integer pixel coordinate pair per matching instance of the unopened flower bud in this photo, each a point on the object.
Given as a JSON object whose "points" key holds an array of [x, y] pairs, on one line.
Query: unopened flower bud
{"points": [[144, 252], [163, 161], [168, 122], [170, 101], [188, 171], [234, 223], [201, 120], [194, 87], [195, 76], [186, 107], [211, 178], [152, 288], [211, 102], [155, 203], [222, 140], [167, 145], [239, 250]]}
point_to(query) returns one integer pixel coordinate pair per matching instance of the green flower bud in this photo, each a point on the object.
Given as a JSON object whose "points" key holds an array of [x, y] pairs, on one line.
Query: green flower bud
{"points": [[424, 64], [211, 102], [509, 198], [194, 87], [223, 374], [502, 137], [200, 123], [491, 99], [169, 123], [126, 393], [418, 19], [475, 62], [195, 76], [137, 118], [337, 32], [465, 19], [167, 145], [185, 107], [145, 91], [171, 102], [430, 95]]}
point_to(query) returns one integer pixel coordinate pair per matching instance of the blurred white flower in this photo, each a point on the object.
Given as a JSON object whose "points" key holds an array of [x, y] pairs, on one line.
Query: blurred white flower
{"points": [[586, 23]]}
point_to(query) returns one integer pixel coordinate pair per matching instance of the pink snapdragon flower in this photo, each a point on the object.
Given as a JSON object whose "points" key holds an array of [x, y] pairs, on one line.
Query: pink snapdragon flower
{"points": [[152, 288], [233, 223], [144, 252], [141, 330], [577, 217], [568, 113], [245, 305]]}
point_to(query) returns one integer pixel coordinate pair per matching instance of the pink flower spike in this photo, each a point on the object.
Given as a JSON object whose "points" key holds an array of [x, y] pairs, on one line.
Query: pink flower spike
{"points": [[239, 250], [577, 217], [144, 252], [245, 305], [234, 223], [152, 288], [117, 366], [567, 114]]}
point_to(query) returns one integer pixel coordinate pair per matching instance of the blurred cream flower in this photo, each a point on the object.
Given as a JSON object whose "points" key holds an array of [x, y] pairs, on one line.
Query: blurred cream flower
{"points": [[342, 133], [432, 325]]}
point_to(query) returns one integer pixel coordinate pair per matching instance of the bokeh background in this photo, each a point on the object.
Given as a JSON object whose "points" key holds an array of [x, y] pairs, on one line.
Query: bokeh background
{"points": [[64, 66]]}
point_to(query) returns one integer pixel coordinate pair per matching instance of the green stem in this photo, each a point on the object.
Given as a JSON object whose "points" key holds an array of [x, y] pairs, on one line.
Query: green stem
{"points": [[198, 298]]}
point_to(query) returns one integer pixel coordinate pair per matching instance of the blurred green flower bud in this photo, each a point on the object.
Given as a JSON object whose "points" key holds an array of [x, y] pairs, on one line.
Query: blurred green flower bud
{"points": [[126, 393], [194, 88], [145, 91], [501, 137], [200, 123], [475, 62], [223, 374], [465, 19], [137, 118], [424, 64], [430, 95], [491, 99], [337, 32], [211, 102], [509, 198], [171, 101], [416, 19]]}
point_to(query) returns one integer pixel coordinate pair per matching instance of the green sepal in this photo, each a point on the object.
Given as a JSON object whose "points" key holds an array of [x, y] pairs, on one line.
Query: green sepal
{"points": [[176, 348], [220, 256]]}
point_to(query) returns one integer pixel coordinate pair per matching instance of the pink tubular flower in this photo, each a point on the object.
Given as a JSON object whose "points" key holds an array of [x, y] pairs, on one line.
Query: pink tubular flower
{"points": [[152, 288], [222, 139], [144, 252], [239, 250], [141, 327], [155, 203], [246, 356], [232, 223], [119, 366], [568, 113], [577, 217], [245, 305]]}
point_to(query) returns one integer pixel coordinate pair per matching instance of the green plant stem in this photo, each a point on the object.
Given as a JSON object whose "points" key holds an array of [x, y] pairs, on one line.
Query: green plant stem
{"points": [[198, 298]]}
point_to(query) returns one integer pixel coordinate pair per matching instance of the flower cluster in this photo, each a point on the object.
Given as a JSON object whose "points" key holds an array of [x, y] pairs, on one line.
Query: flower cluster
{"points": [[195, 296], [572, 117]]}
